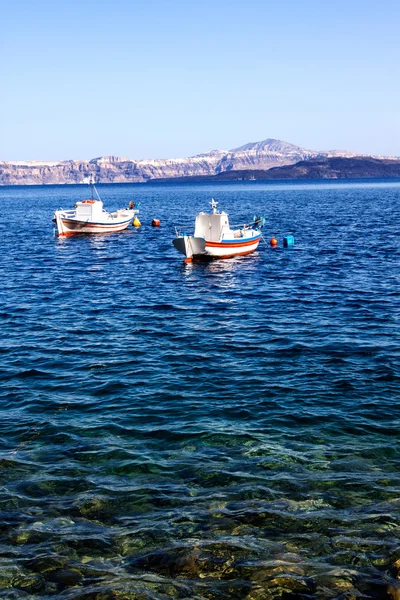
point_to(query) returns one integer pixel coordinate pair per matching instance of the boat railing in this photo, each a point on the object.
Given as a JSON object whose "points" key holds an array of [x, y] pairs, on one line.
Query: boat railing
{"points": [[68, 213], [256, 224], [182, 230]]}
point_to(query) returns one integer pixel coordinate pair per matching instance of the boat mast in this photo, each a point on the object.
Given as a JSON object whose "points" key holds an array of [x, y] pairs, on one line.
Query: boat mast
{"points": [[93, 188], [91, 183]]}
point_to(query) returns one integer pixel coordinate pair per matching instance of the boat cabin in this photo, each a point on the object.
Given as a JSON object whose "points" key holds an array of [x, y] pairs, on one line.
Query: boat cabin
{"points": [[89, 210], [213, 227]]}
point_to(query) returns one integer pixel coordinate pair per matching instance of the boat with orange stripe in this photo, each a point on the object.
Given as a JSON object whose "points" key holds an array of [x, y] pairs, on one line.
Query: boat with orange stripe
{"points": [[213, 237], [89, 216]]}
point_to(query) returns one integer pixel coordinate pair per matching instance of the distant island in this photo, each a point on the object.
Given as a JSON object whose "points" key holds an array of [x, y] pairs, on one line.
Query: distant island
{"points": [[359, 167], [265, 160]]}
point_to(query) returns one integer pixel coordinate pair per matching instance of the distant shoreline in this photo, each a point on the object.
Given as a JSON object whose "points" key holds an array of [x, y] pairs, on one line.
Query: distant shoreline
{"points": [[299, 181], [316, 169], [326, 169]]}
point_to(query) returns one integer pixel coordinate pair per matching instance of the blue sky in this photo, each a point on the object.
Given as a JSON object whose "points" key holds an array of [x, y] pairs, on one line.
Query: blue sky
{"points": [[153, 79]]}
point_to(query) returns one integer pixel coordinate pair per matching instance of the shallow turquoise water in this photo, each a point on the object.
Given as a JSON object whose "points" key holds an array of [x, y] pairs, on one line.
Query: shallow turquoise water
{"points": [[220, 430]]}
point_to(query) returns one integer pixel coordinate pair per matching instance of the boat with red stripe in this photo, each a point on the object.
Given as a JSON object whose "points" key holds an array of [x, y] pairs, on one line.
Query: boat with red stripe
{"points": [[89, 216], [213, 237]]}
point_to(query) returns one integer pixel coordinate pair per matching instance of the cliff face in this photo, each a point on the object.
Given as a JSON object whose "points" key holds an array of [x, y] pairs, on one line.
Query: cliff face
{"points": [[337, 167], [112, 169]]}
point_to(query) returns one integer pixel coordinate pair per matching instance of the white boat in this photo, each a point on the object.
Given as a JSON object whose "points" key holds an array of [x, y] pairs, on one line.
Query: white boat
{"points": [[213, 237], [89, 216]]}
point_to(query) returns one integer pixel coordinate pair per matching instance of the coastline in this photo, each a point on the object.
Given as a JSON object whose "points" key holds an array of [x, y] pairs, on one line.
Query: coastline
{"points": [[220, 182]]}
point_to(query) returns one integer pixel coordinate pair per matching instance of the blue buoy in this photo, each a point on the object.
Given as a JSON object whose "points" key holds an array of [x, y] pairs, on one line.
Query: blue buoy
{"points": [[288, 241]]}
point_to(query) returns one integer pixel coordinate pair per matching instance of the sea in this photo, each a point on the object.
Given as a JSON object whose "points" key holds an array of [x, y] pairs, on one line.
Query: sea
{"points": [[204, 431]]}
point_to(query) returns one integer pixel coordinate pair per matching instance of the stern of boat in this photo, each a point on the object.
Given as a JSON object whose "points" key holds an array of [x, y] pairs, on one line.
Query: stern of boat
{"points": [[189, 245]]}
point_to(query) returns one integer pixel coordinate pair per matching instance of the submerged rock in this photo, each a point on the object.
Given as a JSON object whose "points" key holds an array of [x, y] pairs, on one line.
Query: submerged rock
{"points": [[216, 560], [41, 564], [65, 577], [171, 563], [97, 508], [395, 568], [393, 592], [339, 580], [22, 536], [28, 583], [6, 577]]}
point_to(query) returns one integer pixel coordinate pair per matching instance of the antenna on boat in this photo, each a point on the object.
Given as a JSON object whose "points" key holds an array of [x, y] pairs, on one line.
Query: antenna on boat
{"points": [[91, 183], [93, 188], [214, 205]]}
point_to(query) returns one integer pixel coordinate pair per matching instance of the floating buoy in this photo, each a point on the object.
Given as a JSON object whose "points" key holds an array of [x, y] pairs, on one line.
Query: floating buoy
{"points": [[155, 223], [136, 222], [288, 241], [188, 260], [273, 242]]}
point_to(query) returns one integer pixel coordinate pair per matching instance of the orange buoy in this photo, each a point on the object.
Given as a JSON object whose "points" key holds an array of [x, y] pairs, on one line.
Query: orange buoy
{"points": [[273, 242], [188, 260], [156, 223]]}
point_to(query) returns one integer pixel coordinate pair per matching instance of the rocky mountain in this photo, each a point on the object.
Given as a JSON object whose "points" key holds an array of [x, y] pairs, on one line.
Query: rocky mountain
{"points": [[262, 155], [336, 167]]}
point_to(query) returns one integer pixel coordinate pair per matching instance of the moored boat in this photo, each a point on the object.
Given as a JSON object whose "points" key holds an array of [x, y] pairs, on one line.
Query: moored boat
{"points": [[213, 237], [89, 216]]}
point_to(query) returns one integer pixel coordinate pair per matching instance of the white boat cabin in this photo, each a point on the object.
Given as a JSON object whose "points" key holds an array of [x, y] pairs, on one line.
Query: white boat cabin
{"points": [[212, 227], [91, 210]]}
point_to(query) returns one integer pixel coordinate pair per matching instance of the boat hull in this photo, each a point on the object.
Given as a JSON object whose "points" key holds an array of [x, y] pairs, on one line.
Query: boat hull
{"points": [[68, 227], [232, 248], [195, 248]]}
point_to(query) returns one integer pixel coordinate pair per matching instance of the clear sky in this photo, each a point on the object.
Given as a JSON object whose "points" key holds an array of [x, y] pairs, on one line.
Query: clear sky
{"points": [[159, 79]]}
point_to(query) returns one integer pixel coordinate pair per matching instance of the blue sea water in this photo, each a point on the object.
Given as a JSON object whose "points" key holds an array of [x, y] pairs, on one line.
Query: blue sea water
{"points": [[205, 431]]}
